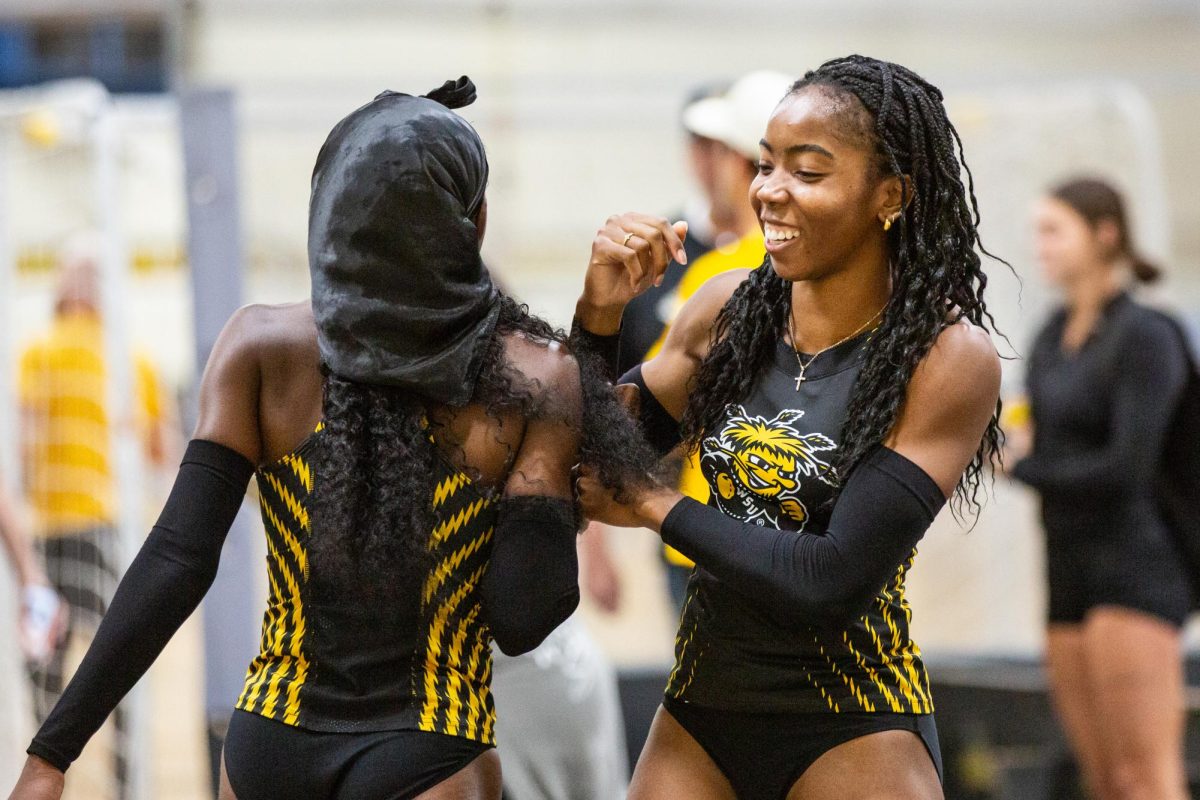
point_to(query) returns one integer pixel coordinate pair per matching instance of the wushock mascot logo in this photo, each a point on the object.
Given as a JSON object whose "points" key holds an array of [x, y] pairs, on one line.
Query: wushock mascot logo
{"points": [[755, 465]]}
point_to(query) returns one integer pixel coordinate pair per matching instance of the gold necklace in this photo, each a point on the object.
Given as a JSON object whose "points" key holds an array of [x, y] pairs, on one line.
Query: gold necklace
{"points": [[800, 362]]}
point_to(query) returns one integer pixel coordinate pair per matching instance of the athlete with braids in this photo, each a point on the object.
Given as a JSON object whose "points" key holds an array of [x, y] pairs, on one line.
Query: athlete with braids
{"points": [[838, 395], [412, 433]]}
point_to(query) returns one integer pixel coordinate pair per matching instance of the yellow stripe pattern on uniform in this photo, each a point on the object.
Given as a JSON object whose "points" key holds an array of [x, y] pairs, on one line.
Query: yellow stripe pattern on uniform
{"points": [[421, 662]]}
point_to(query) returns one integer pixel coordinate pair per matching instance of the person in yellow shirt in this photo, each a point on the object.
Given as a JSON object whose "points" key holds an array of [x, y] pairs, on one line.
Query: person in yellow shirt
{"points": [[735, 122], [66, 425]]}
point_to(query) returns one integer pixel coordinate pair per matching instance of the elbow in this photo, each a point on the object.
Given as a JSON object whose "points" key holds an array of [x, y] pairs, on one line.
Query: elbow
{"points": [[518, 633]]}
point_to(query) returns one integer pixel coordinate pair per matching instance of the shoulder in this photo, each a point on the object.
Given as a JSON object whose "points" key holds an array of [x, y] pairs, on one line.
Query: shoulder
{"points": [[949, 403], [548, 367], [962, 368], [1154, 343], [33, 352], [260, 344], [1146, 325], [268, 333]]}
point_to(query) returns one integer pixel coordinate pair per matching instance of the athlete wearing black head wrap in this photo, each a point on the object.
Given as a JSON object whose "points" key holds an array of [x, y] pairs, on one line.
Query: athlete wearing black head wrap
{"points": [[412, 433]]}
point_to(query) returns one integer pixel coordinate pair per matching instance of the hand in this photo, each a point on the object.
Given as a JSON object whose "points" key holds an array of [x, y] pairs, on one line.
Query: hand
{"points": [[641, 508], [629, 255], [43, 622], [1017, 424], [39, 781], [1018, 444]]}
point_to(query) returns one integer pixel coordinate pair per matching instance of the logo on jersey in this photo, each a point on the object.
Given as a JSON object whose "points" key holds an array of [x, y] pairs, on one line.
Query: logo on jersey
{"points": [[754, 466]]}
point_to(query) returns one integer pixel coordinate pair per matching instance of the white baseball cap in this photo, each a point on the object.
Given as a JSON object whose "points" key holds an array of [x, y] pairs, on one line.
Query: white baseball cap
{"points": [[739, 117]]}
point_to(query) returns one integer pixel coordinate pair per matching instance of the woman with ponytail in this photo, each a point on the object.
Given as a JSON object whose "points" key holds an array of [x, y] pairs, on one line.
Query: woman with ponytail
{"points": [[1106, 375], [837, 395], [412, 433]]}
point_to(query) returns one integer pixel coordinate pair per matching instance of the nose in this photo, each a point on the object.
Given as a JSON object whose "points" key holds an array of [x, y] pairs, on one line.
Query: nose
{"points": [[769, 189]]}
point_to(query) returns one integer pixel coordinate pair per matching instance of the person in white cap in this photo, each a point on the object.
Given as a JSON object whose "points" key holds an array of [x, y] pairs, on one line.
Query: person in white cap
{"points": [[735, 120]]}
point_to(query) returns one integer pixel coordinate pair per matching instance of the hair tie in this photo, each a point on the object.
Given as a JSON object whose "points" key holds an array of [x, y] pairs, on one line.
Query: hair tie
{"points": [[454, 94]]}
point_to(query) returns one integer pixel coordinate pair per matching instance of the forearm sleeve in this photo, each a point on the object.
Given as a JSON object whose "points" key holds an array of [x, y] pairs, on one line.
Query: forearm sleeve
{"points": [[532, 581], [164, 584], [658, 426], [606, 349], [827, 579]]}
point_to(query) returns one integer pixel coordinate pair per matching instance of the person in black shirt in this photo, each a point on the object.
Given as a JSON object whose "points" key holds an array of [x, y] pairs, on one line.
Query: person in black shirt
{"points": [[1105, 375]]}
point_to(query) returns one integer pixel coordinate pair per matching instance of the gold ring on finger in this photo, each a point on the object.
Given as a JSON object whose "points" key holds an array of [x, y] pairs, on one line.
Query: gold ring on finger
{"points": [[625, 241]]}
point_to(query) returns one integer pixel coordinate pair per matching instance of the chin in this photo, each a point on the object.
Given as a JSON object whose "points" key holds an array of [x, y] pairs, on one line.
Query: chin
{"points": [[795, 269]]}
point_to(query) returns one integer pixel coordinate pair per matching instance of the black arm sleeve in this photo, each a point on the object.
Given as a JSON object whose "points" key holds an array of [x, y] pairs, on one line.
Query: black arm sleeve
{"points": [[1152, 375], [826, 580], [164, 584], [532, 581], [658, 426], [606, 349]]}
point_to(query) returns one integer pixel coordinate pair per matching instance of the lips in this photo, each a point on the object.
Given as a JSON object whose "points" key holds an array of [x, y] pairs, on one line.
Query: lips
{"points": [[777, 237]]}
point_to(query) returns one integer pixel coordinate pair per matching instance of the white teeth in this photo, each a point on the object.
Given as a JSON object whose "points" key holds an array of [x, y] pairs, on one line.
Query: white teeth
{"points": [[779, 234]]}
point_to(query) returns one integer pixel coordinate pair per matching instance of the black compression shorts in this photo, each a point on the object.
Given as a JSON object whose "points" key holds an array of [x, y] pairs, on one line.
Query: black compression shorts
{"points": [[268, 760], [764, 754], [1125, 568]]}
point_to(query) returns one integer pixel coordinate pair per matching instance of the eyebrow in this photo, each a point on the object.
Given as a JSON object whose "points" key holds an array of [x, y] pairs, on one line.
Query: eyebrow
{"points": [[797, 149]]}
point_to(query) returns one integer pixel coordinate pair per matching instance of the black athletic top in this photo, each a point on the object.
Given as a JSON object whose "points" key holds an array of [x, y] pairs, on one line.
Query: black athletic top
{"points": [[769, 464], [422, 662], [1100, 419], [331, 660]]}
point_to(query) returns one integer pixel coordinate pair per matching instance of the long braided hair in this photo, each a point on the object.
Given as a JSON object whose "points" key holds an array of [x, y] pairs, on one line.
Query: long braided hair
{"points": [[377, 462], [937, 277]]}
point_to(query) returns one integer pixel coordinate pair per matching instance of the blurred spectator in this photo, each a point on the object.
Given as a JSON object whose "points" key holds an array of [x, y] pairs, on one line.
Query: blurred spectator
{"points": [[734, 122], [68, 478], [42, 615], [1106, 375]]}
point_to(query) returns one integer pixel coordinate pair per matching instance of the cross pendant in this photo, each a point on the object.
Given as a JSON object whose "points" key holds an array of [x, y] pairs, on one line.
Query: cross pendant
{"points": [[799, 380]]}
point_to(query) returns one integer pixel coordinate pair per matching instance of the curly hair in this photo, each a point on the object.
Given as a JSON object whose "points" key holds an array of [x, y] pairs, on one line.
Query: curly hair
{"points": [[937, 275], [376, 462]]}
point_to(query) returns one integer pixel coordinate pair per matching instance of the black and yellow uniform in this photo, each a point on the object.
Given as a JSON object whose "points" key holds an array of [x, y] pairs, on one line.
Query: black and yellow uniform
{"points": [[353, 695], [794, 637], [421, 662], [340, 680], [770, 464]]}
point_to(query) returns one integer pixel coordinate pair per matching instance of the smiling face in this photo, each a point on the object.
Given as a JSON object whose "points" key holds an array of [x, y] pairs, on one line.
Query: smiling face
{"points": [[819, 194]]}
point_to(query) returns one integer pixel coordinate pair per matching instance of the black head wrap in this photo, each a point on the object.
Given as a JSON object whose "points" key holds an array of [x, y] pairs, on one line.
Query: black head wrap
{"points": [[399, 291]]}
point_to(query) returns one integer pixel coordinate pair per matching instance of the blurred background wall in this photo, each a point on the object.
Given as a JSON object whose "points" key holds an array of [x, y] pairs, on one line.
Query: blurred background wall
{"points": [[579, 106]]}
